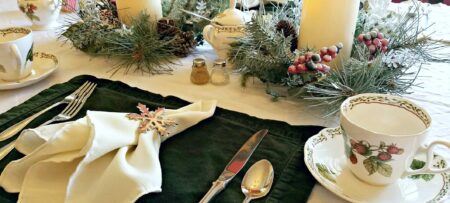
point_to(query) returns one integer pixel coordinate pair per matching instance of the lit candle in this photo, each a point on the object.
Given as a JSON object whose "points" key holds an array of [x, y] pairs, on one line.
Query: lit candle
{"points": [[128, 9], [328, 22]]}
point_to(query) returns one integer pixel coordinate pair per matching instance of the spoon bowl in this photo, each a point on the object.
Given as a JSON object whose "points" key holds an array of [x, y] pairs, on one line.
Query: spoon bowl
{"points": [[258, 180]]}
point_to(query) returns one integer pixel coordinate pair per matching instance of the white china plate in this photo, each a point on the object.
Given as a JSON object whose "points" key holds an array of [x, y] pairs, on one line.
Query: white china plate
{"points": [[325, 159], [43, 65]]}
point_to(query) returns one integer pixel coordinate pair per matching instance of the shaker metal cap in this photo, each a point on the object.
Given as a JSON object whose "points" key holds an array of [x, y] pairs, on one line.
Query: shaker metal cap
{"points": [[220, 62], [198, 62]]}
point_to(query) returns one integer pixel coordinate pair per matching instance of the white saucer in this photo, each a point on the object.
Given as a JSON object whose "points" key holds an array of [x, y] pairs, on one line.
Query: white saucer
{"points": [[43, 65], [325, 159]]}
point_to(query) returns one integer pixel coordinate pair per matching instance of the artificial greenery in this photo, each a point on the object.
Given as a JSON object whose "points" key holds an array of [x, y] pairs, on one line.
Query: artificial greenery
{"points": [[137, 47], [209, 9], [264, 54], [393, 72]]}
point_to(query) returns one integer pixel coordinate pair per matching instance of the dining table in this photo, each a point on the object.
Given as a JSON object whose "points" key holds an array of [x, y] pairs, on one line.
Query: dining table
{"points": [[432, 89]]}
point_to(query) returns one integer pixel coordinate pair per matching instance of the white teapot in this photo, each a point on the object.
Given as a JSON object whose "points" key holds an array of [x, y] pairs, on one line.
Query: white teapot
{"points": [[225, 28], [42, 13]]}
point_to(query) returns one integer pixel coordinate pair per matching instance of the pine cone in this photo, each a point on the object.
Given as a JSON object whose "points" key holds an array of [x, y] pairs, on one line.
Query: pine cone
{"points": [[166, 28], [185, 43], [288, 29]]}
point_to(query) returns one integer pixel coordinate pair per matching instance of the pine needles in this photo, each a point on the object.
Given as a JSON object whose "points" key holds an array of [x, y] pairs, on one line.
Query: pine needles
{"points": [[264, 53], [392, 73], [139, 48]]}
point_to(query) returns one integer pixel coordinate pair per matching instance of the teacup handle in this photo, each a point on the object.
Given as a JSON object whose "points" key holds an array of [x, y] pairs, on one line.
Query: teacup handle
{"points": [[15, 50], [428, 168], [207, 33]]}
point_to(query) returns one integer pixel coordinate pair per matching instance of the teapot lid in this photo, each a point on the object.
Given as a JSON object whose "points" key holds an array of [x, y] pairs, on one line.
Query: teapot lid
{"points": [[231, 16]]}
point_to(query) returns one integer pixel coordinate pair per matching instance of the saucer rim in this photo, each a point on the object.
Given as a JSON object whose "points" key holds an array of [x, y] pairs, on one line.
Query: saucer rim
{"points": [[10, 85], [330, 186]]}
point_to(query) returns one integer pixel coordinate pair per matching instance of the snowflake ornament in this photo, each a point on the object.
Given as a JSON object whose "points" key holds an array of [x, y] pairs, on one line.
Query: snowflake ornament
{"points": [[151, 120]]}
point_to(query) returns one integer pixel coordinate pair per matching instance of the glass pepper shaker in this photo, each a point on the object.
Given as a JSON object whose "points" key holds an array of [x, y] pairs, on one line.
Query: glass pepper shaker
{"points": [[219, 73], [199, 74]]}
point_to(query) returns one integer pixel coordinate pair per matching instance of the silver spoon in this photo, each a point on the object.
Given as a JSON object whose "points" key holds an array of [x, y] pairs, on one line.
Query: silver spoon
{"points": [[257, 181]]}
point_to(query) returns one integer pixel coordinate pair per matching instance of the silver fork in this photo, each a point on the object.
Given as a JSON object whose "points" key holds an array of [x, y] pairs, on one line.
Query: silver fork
{"points": [[77, 100], [14, 129], [73, 107]]}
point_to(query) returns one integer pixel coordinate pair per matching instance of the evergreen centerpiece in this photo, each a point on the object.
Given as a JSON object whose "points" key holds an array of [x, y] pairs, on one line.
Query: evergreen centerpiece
{"points": [[385, 57], [140, 46]]}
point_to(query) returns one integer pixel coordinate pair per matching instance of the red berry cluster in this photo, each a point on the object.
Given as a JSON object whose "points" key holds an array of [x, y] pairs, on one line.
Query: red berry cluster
{"points": [[374, 41], [313, 62], [365, 149]]}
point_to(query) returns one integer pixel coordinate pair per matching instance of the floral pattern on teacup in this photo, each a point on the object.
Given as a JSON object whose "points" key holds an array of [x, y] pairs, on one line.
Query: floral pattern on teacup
{"points": [[29, 10], [377, 157]]}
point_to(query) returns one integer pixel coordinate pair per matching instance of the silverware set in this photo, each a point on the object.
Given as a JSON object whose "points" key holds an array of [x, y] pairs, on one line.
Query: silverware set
{"points": [[74, 101], [258, 179]]}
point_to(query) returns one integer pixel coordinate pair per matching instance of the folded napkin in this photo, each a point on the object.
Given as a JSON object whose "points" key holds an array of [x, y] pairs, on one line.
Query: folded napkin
{"points": [[103, 157]]}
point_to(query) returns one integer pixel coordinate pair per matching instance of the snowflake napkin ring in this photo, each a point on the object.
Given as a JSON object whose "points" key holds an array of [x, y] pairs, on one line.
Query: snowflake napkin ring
{"points": [[151, 120]]}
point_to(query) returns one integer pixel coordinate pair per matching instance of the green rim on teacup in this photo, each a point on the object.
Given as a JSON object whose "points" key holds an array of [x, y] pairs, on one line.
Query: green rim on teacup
{"points": [[14, 30], [391, 100]]}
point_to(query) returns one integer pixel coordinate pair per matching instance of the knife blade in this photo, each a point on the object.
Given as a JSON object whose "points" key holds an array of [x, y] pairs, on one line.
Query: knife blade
{"points": [[235, 165]]}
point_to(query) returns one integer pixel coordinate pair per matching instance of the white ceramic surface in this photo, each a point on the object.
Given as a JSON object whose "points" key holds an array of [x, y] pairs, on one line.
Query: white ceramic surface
{"points": [[382, 134], [43, 14], [16, 47], [228, 27], [43, 65], [325, 159]]}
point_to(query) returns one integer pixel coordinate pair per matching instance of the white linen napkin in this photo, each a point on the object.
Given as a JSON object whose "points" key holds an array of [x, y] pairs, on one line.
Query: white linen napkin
{"points": [[99, 158]]}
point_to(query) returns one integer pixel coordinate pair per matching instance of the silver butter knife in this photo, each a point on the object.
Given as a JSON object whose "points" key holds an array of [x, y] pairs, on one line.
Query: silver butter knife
{"points": [[235, 165]]}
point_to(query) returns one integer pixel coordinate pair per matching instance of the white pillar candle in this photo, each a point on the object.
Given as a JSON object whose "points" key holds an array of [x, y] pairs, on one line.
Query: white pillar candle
{"points": [[128, 9], [328, 22]]}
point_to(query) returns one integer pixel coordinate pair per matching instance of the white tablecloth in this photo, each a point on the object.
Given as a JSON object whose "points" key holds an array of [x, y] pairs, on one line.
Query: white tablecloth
{"points": [[434, 93]]}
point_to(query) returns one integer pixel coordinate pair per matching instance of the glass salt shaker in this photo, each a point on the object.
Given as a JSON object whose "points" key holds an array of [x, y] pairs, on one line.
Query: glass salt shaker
{"points": [[219, 73], [199, 74]]}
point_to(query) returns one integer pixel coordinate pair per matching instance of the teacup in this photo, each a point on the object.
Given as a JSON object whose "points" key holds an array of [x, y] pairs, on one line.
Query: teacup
{"points": [[16, 53], [382, 134], [42, 13]]}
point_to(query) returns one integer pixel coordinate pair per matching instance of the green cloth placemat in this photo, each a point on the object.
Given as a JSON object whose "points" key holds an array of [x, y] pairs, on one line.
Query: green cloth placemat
{"points": [[191, 160]]}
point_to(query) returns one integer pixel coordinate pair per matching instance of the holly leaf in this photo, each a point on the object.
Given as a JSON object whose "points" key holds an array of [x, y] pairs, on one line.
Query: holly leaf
{"points": [[382, 145], [417, 164], [427, 177], [371, 165], [2, 69], [384, 169]]}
